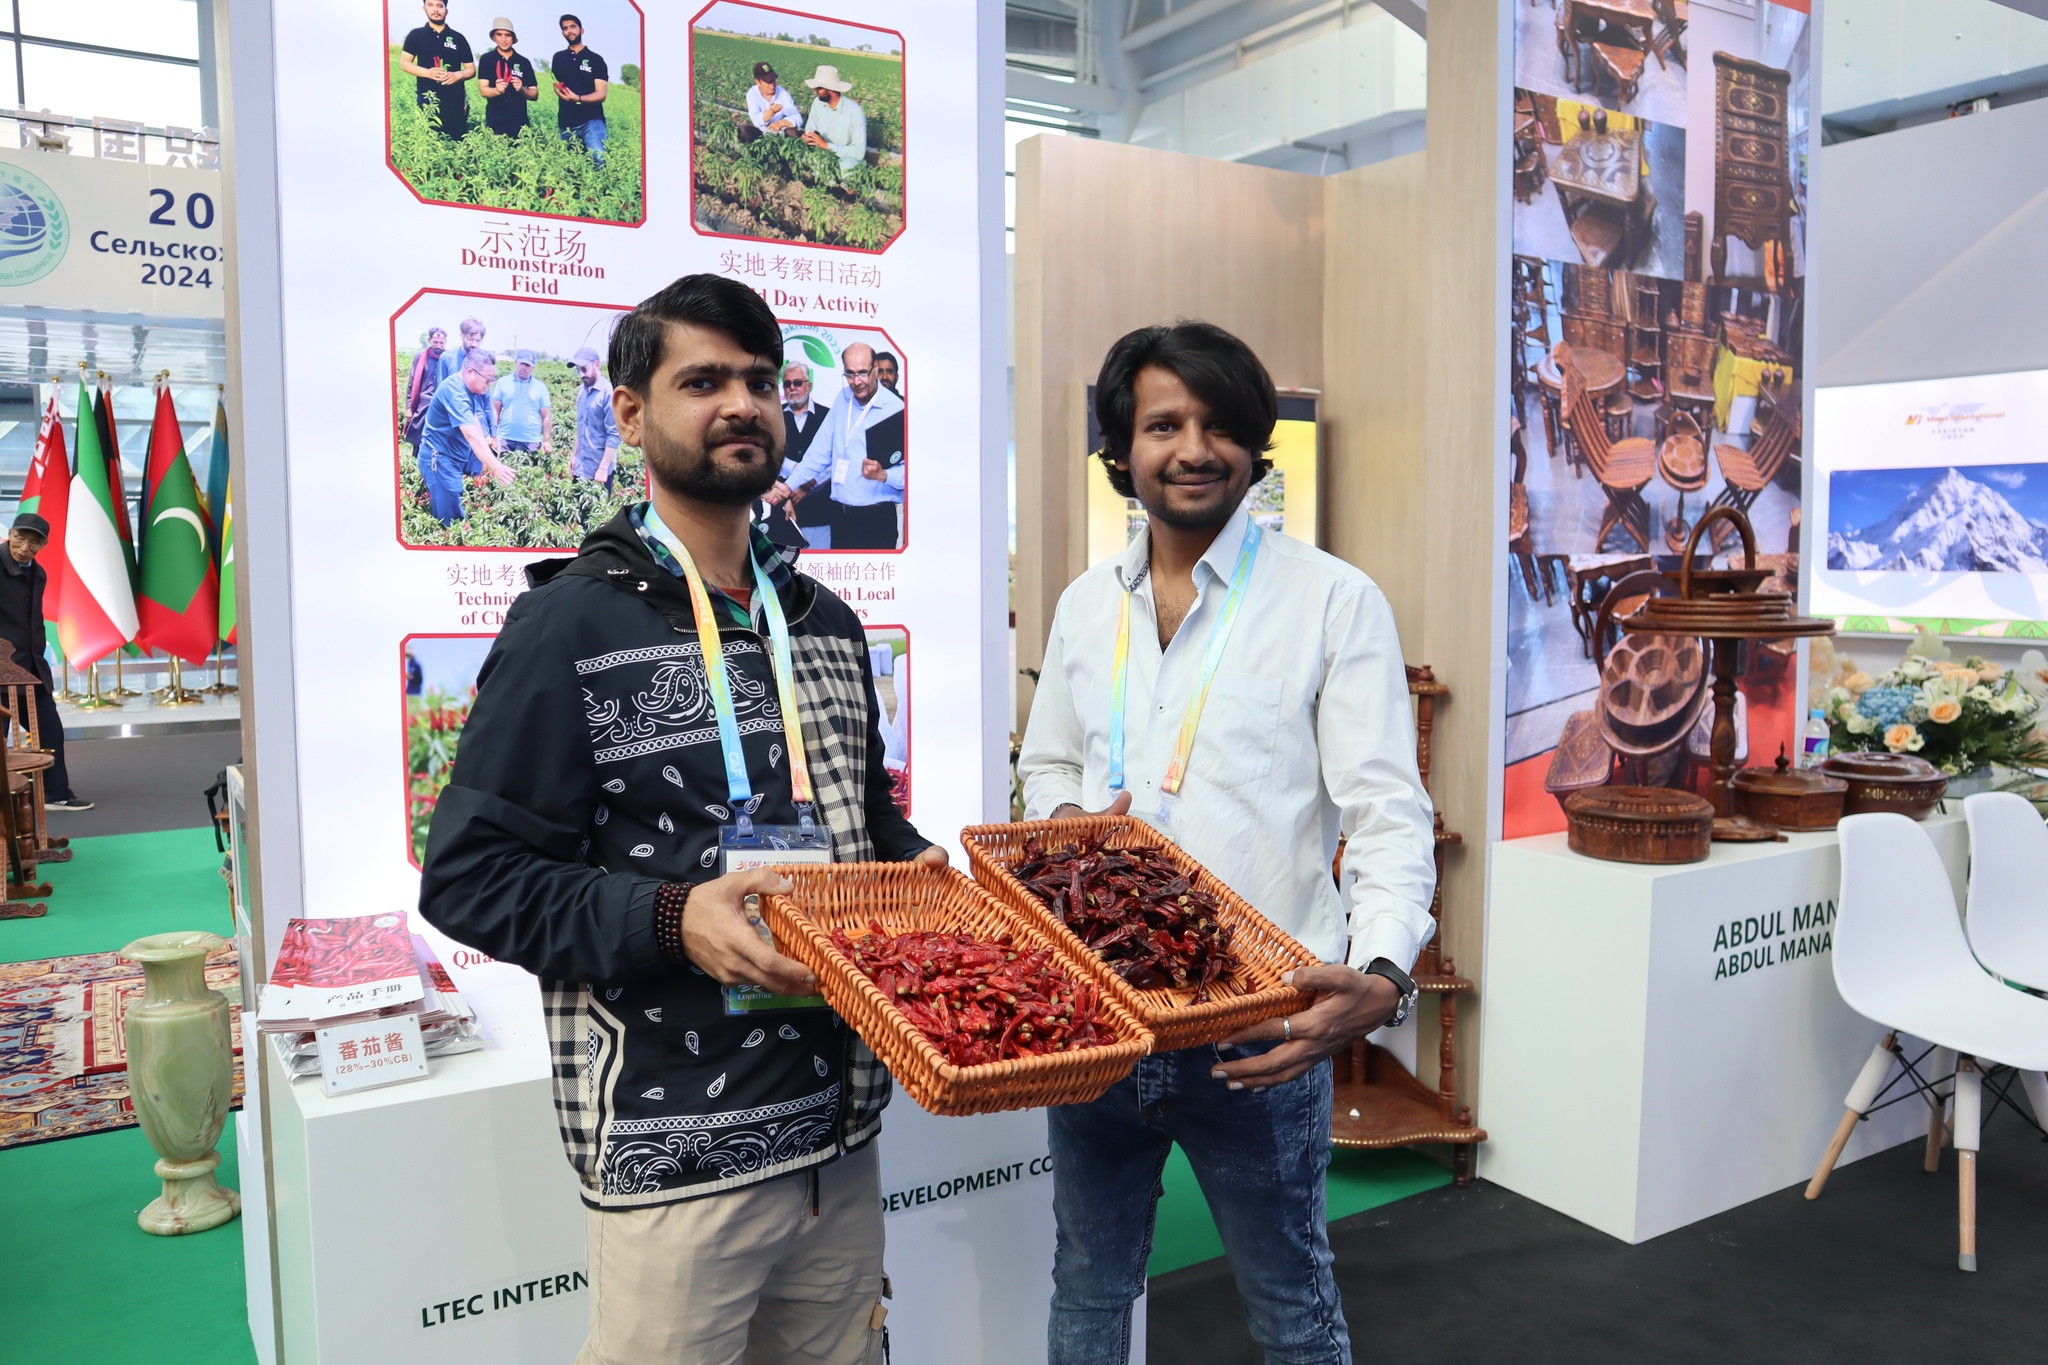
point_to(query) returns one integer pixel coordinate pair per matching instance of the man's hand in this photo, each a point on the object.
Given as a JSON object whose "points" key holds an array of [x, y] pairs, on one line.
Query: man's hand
{"points": [[1120, 806], [604, 466], [872, 469], [563, 92], [1349, 1004], [933, 857], [780, 493], [718, 937], [813, 140], [499, 471]]}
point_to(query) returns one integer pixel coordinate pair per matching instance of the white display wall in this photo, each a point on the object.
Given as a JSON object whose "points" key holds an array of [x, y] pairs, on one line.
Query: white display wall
{"points": [[346, 253]]}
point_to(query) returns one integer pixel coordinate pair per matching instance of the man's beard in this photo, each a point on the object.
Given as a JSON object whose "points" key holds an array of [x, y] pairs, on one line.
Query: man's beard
{"points": [[1204, 518], [696, 475]]}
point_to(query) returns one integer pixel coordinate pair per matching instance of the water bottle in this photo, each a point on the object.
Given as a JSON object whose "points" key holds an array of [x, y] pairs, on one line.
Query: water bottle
{"points": [[1815, 750]]}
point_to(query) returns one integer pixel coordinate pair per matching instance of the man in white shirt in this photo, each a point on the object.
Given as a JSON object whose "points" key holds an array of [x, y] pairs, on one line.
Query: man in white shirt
{"points": [[860, 450], [1305, 736], [770, 110]]}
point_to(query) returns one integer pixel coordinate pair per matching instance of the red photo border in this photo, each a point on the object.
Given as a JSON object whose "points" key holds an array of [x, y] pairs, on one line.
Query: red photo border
{"points": [[903, 45], [903, 708], [398, 426], [641, 221], [404, 760]]}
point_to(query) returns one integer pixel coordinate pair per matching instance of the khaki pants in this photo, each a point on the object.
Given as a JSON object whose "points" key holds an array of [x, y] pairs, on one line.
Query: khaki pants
{"points": [[748, 1276]]}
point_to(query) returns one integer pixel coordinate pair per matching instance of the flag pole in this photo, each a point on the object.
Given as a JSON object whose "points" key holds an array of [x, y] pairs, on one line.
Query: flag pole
{"points": [[175, 694], [93, 700], [221, 686]]}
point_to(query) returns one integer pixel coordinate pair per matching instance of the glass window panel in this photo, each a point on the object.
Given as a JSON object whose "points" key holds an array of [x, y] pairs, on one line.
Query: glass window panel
{"points": [[167, 26], [155, 93]]}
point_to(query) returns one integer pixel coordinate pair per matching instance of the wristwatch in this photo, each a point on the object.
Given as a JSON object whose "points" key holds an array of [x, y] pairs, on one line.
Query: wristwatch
{"points": [[1403, 983]]}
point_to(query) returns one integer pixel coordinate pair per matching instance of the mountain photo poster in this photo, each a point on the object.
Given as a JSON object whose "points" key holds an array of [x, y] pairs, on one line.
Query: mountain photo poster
{"points": [[1988, 519]]}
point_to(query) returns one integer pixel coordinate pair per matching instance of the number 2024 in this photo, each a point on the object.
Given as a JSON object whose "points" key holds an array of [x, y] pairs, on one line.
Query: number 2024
{"points": [[198, 209], [180, 275]]}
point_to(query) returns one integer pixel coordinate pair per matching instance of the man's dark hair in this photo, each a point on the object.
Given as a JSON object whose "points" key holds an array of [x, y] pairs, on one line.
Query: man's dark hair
{"points": [[1218, 368], [641, 337], [568, 19]]}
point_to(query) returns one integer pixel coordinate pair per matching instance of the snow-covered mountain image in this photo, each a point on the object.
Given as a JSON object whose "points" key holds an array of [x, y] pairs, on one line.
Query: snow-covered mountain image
{"points": [[1940, 520]]}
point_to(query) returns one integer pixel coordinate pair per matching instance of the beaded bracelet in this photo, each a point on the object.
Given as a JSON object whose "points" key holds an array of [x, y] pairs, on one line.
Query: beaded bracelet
{"points": [[668, 919]]}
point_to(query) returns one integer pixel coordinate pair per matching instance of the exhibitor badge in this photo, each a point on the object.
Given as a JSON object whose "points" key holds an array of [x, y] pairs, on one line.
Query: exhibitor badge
{"points": [[34, 229]]}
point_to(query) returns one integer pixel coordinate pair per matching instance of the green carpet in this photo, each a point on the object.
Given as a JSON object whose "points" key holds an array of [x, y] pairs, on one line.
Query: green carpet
{"points": [[118, 887], [1185, 1233], [68, 1208]]}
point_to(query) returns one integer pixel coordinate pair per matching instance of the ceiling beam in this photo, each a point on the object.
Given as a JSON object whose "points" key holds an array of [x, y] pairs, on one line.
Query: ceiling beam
{"points": [[1147, 34], [1089, 99], [2037, 8], [1414, 13]]}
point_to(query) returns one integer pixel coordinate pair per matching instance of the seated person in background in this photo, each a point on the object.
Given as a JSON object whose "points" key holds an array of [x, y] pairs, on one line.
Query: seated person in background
{"points": [[836, 123], [770, 110]]}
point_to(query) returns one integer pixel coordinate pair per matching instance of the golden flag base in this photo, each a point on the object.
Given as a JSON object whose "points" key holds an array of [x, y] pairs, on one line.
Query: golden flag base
{"points": [[64, 694], [175, 694], [93, 700], [119, 692], [221, 687]]}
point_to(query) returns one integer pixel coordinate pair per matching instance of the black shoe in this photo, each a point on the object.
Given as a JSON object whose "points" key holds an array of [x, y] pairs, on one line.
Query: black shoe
{"points": [[69, 803]]}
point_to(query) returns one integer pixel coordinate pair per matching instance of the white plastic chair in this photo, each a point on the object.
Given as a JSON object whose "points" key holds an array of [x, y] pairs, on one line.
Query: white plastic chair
{"points": [[1901, 960], [2008, 919]]}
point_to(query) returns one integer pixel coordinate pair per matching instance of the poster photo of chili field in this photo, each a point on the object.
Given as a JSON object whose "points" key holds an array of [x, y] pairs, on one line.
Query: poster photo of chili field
{"points": [[542, 116], [438, 673], [518, 451], [796, 127]]}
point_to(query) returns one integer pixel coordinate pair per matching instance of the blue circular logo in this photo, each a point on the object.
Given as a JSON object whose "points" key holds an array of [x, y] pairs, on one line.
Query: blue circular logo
{"points": [[34, 230]]}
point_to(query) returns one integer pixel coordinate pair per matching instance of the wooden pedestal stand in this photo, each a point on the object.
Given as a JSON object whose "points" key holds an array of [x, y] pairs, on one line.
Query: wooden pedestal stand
{"points": [[1377, 1103], [1723, 606]]}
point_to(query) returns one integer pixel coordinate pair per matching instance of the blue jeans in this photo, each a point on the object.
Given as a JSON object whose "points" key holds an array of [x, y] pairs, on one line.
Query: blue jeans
{"points": [[590, 135], [1260, 1160]]}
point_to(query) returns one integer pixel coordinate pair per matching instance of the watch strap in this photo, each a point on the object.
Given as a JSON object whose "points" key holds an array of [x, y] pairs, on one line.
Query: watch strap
{"points": [[1381, 966]]}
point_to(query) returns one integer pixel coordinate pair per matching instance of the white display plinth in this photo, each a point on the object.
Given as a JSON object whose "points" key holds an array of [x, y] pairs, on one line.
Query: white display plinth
{"points": [[1643, 1072], [435, 1220]]}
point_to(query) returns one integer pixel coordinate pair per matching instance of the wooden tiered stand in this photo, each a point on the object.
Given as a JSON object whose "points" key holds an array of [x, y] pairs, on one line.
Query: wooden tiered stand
{"points": [[1377, 1103]]}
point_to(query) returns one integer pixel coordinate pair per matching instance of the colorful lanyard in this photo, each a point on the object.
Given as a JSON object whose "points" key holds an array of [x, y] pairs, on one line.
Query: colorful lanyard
{"points": [[1219, 635], [738, 786]]}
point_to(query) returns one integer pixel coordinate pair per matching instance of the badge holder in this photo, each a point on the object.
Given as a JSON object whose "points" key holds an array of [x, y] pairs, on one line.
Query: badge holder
{"points": [[745, 846]]}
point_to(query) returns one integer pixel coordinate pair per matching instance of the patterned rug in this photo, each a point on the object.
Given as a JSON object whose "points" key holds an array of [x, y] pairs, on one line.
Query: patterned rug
{"points": [[63, 1042]]}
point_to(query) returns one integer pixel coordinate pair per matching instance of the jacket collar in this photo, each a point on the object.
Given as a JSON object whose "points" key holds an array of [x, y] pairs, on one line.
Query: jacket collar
{"points": [[1220, 559], [616, 553]]}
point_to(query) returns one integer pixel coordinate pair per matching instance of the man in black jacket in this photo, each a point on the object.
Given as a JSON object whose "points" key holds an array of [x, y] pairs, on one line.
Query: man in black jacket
{"points": [[27, 642], [725, 1149]]}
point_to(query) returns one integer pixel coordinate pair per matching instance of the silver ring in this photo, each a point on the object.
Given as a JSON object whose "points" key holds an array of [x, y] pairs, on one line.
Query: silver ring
{"points": [[1287, 1030]]}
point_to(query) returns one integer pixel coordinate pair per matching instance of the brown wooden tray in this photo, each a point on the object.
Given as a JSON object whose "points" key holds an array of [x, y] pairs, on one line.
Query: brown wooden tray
{"points": [[905, 897], [1175, 1023]]}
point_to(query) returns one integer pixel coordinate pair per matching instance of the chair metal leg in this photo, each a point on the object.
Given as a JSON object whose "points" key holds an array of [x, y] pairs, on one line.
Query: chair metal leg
{"points": [[1857, 1105], [1969, 1105]]}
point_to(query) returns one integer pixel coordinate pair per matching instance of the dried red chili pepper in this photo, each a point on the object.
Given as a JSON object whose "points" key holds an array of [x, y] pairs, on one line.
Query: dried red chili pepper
{"points": [[978, 1000], [1139, 912]]}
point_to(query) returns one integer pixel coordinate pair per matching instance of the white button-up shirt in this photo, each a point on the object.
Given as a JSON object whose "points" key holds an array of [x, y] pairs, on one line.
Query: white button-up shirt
{"points": [[1307, 734]]}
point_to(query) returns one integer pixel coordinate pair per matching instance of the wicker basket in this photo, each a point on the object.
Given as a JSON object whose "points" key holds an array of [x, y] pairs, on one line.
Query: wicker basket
{"points": [[992, 850], [905, 897]]}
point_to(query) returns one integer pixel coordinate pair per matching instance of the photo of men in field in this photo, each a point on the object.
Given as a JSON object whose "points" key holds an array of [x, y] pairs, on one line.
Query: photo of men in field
{"points": [[518, 107], [797, 128], [506, 437]]}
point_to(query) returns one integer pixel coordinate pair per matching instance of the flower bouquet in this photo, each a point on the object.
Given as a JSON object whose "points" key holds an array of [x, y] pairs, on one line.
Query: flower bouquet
{"points": [[1960, 717]]}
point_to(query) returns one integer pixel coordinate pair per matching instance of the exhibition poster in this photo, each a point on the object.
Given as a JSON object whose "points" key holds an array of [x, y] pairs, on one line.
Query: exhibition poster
{"points": [[511, 182], [1657, 362]]}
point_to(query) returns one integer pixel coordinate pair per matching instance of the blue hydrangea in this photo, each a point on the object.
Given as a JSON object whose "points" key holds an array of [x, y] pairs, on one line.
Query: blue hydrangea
{"points": [[1887, 706]]}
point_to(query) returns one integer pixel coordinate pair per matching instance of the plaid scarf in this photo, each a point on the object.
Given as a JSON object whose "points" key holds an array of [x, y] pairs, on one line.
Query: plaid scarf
{"points": [[777, 561]]}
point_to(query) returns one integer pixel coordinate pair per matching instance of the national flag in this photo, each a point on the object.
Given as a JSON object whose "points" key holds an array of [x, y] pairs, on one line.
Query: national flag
{"points": [[47, 492], [217, 478], [178, 604], [227, 574], [97, 613], [117, 485]]}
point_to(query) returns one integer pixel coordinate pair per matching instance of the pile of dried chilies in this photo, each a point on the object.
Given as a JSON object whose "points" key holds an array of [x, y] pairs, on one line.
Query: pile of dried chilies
{"points": [[979, 1001], [1141, 915]]}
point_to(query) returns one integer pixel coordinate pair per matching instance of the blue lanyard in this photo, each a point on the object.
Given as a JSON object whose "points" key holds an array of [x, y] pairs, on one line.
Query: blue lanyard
{"points": [[1219, 636]]}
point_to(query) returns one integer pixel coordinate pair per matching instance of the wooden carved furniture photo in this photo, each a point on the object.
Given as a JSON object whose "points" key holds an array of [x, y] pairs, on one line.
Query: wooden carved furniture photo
{"points": [[1682, 463], [1669, 40], [1646, 340], [1588, 579], [1521, 541], [1602, 372], [1607, 204], [1753, 196], [1623, 467], [1725, 607], [1377, 1103], [1746, 473]]}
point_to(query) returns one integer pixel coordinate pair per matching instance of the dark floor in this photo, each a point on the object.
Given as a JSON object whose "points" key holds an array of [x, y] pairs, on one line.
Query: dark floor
{"points": [[145, 782], [1866, 1273]]}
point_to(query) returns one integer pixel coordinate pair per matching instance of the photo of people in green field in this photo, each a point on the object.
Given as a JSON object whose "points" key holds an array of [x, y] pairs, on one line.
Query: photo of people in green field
{"points": [[796, 127], [525, 109], [503, 414]]}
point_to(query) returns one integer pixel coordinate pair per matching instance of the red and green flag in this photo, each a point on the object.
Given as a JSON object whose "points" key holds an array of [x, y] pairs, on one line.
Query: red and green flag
{"points": [[96, 614], [110, 448], [217, 479], [47, 492], [178, 601]]}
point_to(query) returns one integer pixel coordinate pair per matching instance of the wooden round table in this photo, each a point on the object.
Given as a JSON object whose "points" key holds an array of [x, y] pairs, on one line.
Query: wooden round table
{"points": [[1602, 372]]}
